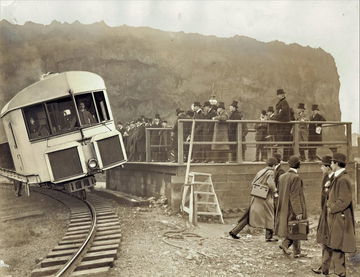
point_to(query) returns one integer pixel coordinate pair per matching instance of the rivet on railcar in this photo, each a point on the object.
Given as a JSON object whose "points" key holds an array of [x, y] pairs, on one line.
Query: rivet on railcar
{"points": [[61, 129]]}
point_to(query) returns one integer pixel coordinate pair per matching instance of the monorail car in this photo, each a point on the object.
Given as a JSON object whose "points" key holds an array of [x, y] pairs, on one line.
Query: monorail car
{"points": [[61, 129]]}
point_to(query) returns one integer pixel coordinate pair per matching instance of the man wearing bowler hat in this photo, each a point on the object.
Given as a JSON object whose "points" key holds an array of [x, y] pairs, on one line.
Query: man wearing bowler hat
{"points": [[303, 129], [338, 231], [291, 206], [315, 131], [282, 114]]}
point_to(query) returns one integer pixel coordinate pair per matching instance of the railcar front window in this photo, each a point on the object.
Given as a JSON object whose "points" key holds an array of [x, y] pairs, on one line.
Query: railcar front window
{"points": [[86, 108], [101, 105], [62, 115], [36, 121]]}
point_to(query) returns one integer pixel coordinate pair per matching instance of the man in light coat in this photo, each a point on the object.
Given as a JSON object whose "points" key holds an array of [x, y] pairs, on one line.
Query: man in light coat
{"points": [[261, 211], [291, 206], [338, 232]]}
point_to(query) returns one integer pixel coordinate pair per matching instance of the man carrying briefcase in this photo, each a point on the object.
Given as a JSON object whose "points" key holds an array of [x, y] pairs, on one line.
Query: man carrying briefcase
{"points": [[291, 207]]}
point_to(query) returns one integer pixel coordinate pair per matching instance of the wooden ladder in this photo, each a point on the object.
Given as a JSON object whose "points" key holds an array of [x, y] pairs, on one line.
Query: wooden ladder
{"points": [[202, 197]]}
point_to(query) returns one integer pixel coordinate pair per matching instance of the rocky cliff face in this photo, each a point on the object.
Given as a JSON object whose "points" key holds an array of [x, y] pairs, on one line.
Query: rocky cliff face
{"points": [[149, 71]]}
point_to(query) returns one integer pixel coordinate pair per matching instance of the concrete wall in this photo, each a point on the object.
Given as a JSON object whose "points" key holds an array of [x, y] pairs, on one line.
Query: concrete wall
{"points": [[231, 181]]}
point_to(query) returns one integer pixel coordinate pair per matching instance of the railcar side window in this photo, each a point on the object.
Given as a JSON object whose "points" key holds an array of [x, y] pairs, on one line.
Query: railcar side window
{"points": [[86, 108], [101, 105], [62, 115], [36, 121]]}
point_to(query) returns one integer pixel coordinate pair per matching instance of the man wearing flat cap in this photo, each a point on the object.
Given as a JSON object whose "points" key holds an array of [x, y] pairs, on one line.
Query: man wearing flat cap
{"points": [[315, 131], [235, 114], [338, 232], [282, 114], [291, 206]]}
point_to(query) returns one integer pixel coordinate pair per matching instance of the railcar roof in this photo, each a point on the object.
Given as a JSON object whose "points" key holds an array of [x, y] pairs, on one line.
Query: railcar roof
{"points": [[54, 86]]}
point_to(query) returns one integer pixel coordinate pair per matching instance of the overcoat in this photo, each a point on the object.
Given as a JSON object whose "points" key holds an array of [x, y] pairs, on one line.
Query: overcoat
{"points": [[291, 201], [340, 218], [322, 229], [262, 210], [313, 136], [282, 114], [221, 132]]}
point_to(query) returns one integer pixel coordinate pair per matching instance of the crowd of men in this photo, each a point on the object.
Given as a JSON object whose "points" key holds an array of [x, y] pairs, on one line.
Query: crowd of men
{"points": [[216, 135], [284, 207]]}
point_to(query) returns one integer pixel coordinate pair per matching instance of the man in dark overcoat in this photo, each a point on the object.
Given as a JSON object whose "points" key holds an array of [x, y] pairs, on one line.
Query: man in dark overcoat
{"points": [[198, 149], [208, 130], [235, 114], [338, 232], [291, 206], [180, 114], [315, 131], [325, 184], [282, 114]]}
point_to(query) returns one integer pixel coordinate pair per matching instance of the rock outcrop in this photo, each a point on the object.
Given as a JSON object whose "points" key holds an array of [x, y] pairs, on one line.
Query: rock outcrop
{"points": [[149, 71]]}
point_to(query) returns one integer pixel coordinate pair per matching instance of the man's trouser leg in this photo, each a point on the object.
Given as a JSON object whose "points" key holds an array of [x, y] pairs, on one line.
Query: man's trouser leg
{"points": [[269, 233], [296, 247], [286, 243], [338, 258], [326, 259], [243, 221]]}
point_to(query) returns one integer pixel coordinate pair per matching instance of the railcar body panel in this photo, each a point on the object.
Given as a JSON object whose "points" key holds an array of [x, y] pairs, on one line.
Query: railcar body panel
{"points": [[66, 138]]}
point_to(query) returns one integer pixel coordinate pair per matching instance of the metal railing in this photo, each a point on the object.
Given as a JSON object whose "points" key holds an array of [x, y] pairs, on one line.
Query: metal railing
{"points": [[177, 145]]}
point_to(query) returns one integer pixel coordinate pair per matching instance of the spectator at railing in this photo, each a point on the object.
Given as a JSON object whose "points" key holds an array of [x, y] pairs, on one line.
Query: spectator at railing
{"points": [[221, 134], [260, 135], [303, 128], [164, 142], [155, 138], [235, 114], [282, 114], [198, 149], [180, 114], [315, 132], [140, 140], [209, 113], [270, 113]]}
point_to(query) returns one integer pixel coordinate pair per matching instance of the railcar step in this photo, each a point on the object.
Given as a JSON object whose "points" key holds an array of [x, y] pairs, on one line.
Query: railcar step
{"points": [[208, 213], [204, 192], [92, 271]]}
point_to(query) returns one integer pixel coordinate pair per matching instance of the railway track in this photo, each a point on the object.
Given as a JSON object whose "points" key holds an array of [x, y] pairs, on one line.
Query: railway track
{"points": [[91, 241]]}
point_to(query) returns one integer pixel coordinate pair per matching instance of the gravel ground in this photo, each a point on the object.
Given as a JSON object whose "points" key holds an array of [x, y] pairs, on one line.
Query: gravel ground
{"points": [[158, 243], [24, 241]]}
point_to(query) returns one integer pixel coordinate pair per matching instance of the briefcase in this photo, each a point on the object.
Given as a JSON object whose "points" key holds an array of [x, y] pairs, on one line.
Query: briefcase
{"points": [[298, 229], [259, 190]]}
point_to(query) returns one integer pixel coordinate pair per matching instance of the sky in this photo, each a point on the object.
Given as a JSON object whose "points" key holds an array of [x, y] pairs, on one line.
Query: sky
{"points": [[332, 25]]}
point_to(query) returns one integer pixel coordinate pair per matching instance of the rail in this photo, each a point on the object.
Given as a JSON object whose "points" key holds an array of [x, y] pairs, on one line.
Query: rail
{"points": [[241, 138]]}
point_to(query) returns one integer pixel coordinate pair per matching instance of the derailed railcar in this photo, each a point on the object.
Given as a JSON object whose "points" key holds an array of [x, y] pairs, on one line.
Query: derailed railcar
{"points": [[61, 130]]}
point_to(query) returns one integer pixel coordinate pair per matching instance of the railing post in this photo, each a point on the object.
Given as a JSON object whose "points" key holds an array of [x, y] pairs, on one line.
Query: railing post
{"points": [[349, 140], [239, 152], [180, 142], [296, 139], [147, 145]]}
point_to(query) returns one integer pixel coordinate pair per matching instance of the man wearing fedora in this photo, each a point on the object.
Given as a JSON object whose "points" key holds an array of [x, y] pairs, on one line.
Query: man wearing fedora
{"points": [[235, 114], [337, 233], [303, 129], [315, 131], [291, 206], [282, 114]]}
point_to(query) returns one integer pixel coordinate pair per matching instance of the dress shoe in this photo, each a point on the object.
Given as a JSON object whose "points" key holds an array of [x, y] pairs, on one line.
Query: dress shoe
{"points": [[284, 250], [233, 235], [317, 270], [271, 240]]}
